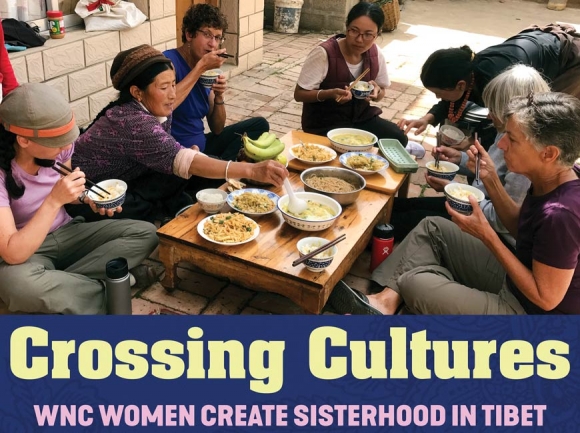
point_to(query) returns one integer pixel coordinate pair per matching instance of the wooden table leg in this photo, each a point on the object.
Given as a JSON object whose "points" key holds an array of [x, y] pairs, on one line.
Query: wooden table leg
{"points": [[167, 257], [404, 189]]}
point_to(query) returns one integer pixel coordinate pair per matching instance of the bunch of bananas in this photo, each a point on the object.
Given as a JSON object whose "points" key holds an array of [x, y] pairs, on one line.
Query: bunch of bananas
{"points": [[267, 146]]}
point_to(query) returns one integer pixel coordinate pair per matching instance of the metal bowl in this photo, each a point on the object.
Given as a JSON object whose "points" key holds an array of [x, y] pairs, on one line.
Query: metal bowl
{"points": [[344, 198]]}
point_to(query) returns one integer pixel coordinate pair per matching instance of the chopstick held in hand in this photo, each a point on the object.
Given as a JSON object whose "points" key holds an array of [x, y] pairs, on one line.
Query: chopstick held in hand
{"points": [[355, 82], [68, 170], [324, 247], [477, 163]]}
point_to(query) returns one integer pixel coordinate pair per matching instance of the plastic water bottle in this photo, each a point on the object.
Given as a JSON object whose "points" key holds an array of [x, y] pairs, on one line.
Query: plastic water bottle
{"points": [[382, 245], [118, 286]]}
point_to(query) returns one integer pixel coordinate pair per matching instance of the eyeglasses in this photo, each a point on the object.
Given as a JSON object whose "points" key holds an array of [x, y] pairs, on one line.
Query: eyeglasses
{"points": [[355, 34], [209, 36]]}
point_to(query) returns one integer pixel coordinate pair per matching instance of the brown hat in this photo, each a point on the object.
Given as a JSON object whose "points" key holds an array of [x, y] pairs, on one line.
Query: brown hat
{"points": [[39, 112], [130, 63]]}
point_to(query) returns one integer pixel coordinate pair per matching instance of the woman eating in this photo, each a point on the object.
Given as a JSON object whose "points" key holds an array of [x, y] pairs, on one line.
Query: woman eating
{"points": [[50, 262], [330, 68], [458, 76], [130, 140], [462, 267]]}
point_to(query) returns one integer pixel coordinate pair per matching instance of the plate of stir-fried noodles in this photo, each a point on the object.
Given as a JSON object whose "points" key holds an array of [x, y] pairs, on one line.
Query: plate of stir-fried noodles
{"points": [[228, 229], [253, 201]]}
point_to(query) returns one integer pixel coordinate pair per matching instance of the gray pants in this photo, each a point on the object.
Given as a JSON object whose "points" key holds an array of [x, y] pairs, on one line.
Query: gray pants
{"points": [[63, 275], [438, 269]]}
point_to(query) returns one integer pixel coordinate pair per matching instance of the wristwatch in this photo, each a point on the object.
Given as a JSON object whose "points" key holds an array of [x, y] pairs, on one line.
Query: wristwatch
{"points": [[83, 196]]}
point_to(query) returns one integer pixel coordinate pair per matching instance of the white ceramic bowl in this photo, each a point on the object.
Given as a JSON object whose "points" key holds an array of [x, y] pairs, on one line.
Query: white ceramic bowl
{"points": [[462, 205], [449, 174], [345, 156], [451, 136], [304, 224], [117, 187], [341, 148], [211, 206], [327, 149], [209, 77], [362, 89], [316, 264]]}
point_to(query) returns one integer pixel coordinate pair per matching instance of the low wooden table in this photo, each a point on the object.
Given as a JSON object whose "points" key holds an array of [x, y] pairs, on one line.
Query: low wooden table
{"points": [[266, 263], [387, 182]]}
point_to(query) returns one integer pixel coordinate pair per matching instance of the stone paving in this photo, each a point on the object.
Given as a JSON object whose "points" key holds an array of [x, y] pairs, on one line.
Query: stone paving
{"points": [[267, 90]]}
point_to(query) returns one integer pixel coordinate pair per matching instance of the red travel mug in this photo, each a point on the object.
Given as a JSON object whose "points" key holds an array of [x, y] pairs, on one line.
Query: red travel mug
{"points": [[383, 242]]}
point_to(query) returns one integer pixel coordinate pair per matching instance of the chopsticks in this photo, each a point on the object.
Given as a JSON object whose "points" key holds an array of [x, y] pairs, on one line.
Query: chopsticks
{"points": [[437, 153], [477, 163], [302, 259], [354, 83], [65, 171], [226, 55]]}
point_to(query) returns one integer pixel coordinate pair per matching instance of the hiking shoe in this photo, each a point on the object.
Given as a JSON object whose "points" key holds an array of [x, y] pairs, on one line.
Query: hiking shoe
{"points": [[143, 276], [346, 300]]}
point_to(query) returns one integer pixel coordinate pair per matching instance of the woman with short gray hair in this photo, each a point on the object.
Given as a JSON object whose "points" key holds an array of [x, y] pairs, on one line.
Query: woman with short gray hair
{"points": [[442, 268]]}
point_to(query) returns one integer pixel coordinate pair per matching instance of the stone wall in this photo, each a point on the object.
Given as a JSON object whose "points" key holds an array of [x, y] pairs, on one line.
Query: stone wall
{"points": [[317, 14]]}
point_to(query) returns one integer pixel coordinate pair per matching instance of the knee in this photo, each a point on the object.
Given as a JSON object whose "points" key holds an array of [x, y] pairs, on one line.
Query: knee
{"points": [[148, 232], [262, 123]]}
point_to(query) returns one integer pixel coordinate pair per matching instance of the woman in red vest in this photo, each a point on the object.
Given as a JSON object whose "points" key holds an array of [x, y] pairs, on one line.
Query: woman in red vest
{"points": [[329, 69], [7, 77]]}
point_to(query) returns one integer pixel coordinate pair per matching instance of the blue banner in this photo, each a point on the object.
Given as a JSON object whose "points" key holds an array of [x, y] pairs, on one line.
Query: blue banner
{"points": [[281, 373]]}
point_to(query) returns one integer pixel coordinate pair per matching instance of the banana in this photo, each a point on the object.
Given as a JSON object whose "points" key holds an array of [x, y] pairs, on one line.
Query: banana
{"points": [[264, 141], [258, 154]]}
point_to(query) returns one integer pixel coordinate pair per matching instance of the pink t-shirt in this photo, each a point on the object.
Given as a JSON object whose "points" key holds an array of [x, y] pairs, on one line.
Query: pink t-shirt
{"points": [[37, 189]]}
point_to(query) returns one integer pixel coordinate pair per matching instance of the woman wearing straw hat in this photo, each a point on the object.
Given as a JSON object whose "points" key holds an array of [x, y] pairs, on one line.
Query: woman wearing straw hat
{"points": [[51, 263], [131, 140]]}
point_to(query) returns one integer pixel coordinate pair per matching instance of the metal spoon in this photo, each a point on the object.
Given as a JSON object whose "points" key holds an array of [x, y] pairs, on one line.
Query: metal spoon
{"points": [[295, 205]]}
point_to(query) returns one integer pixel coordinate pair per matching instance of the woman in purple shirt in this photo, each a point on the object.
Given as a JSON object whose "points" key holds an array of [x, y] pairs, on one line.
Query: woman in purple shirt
{"points": [[443, 268]]}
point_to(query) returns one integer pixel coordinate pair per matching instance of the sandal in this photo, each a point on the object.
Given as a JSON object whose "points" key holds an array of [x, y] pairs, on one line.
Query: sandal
{"points": [[346, 300]]}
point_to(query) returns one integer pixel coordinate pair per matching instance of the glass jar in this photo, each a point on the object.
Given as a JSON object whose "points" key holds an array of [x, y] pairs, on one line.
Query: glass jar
{"points": [[55, 24]]}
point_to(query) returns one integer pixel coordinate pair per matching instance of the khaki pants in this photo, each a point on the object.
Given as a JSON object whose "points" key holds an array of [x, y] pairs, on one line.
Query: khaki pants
{"points": [[438, 269], [64, 275]]}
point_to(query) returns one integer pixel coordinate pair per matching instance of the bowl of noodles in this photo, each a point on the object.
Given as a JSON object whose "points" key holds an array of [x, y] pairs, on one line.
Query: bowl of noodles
{"points": [[321, 212], [253, 201], [364, 163], [228, 229], [446, 170], [351, 140], [116, 190], [312, 154], [338, 183], [457, 195]]}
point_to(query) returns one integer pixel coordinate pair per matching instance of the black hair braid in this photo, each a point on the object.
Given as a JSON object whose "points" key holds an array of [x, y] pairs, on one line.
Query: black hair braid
{"points": [[7, 154]]}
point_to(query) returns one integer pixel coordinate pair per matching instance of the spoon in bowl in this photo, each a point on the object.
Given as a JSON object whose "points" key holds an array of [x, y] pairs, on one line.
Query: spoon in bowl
{"points": [[295, 205]]}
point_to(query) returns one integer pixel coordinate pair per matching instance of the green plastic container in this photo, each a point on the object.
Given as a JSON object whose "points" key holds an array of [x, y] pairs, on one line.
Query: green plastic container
{"points": [[398, 158]]}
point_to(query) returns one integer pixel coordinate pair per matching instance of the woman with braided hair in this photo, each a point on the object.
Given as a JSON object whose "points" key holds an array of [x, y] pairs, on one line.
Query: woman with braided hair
{"points": [[458, 76]]}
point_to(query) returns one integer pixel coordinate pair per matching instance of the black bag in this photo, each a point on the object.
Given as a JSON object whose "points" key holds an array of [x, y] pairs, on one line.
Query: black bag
{"points": [[20, 34]]}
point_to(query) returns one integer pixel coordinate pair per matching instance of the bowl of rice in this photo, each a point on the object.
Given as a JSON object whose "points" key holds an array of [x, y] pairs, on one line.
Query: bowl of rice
{"points": [[446, 170], [312, 154], [208, 78], [320, 261], [321, 212], [457, 195], [362, 89], [351, 140], [338, 183], [253, 201], [211, 200], [116, 190], [451, 136]]}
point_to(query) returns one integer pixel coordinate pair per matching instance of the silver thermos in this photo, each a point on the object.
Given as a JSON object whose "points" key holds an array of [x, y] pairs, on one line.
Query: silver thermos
{"points": [[118, 286]]}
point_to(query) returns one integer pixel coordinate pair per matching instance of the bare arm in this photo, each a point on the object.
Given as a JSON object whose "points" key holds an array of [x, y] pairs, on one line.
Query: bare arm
{"points": [[216, 117], [16, 246], [317, 95]]}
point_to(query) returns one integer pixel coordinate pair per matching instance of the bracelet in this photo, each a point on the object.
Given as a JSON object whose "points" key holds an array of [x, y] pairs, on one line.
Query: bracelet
{"points": [[219, 103], [227, 167], [318, 94]]}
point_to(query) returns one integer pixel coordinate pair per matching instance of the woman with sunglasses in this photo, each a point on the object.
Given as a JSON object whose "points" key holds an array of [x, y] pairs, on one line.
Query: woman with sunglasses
{"points": [[202, 34], [329, 69]]}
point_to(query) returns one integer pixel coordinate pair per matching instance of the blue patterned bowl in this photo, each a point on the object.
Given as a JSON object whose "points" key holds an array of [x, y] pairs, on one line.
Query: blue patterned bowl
{"points": [[117, 190], [316, 264], [362, 90], [209, 77], [457, 197], [449, 173]]}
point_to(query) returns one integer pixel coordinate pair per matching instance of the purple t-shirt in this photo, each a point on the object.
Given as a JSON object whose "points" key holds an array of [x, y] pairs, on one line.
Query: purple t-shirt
{"points": [[549, 232], [187, 126], [37, 188]]}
